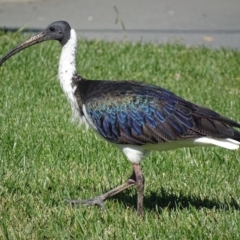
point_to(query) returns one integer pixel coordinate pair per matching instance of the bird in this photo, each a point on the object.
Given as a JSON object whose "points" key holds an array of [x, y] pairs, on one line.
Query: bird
{"points": [[133, 116]]}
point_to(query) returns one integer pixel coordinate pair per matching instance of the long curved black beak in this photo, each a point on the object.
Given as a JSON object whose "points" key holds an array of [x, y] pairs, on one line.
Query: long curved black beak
{"points": [[43, 36]]}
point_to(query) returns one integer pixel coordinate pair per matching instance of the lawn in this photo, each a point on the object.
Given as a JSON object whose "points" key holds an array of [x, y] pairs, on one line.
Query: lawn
{"points": [[45, 157]]}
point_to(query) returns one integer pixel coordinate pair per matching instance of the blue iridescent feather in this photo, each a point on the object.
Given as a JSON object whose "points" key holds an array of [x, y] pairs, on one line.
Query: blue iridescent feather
{"points": [[130, 112]]}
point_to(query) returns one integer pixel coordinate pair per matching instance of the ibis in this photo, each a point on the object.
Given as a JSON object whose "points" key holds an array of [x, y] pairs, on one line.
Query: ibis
{"points": [[135, 117]]}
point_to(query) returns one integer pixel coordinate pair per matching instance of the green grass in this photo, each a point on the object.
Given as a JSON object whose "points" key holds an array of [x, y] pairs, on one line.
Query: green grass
{"points": [[44, 157]]}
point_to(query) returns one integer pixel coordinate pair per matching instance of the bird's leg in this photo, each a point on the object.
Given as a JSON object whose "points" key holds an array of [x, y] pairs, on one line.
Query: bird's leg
{"points": [[140, 187], [100, 199], [135, 179]]}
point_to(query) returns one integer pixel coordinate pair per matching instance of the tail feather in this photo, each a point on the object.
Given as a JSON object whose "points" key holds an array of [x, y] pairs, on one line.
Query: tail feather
{"points": [[227, 143]]}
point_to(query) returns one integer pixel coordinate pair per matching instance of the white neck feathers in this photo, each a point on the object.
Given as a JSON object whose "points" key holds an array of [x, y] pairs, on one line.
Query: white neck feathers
{"points": [[67, 68], [67, 64]]}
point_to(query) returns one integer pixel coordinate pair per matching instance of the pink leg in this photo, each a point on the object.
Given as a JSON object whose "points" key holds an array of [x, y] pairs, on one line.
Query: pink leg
{"points": [[140, 187]]}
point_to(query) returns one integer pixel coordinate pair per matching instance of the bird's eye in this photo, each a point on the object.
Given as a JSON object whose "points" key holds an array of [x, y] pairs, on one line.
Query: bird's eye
{"points": [[52, 29]]}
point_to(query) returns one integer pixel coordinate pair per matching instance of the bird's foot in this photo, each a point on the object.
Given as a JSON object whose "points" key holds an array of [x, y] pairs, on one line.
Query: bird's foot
{"points": [[97, 201]]}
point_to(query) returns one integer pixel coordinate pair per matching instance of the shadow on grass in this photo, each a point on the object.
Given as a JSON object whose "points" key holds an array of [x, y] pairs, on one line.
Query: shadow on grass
{"points": [[158, 201]]}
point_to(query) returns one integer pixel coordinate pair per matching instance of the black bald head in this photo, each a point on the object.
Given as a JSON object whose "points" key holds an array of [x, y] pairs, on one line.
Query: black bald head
{"points": [[59, 30]]}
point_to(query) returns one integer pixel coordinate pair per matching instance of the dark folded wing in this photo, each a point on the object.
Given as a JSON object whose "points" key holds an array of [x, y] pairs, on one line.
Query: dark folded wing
{"points": [[140, 119]]}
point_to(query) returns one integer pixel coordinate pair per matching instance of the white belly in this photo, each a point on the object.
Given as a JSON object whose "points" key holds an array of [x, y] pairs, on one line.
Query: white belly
{"points": [[136, 154]]}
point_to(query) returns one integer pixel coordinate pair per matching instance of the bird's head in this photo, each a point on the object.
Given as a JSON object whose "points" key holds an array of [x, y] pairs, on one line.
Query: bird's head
{"points": [[59, 31]]}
